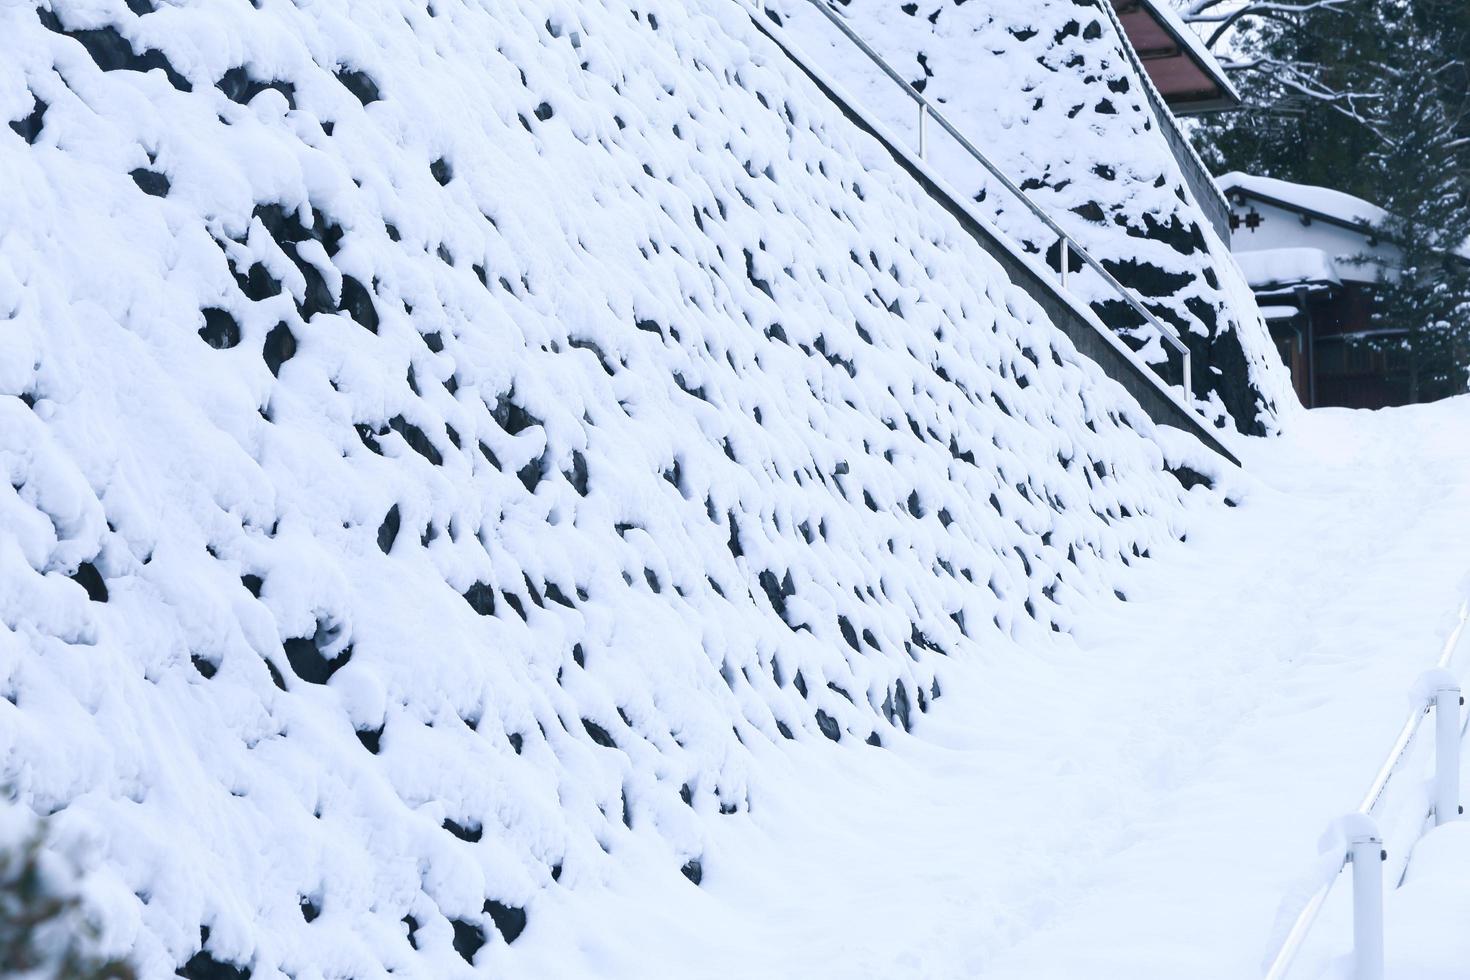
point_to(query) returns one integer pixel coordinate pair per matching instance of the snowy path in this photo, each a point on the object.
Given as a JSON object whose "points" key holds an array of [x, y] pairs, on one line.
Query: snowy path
{"points": [[1134, 804]]}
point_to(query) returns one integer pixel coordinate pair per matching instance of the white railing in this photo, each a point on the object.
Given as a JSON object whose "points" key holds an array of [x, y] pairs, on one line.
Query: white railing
{"points": [[1065, 244], [1437, 691]]}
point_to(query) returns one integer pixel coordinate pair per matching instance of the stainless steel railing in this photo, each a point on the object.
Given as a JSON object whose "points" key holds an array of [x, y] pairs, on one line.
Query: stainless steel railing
{"points": [[1065, 244]]}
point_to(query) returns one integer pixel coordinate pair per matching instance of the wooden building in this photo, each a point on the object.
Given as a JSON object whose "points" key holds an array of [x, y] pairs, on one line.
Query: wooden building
{"points": [[1312, 260]]}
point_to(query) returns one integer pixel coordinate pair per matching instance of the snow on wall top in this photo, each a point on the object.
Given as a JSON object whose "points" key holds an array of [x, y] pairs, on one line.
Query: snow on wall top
{"points": [[438, 439], [1044, 88]]}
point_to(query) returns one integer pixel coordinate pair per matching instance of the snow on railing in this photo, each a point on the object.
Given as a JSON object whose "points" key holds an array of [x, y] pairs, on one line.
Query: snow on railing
{"points": [[1065, 244], [1362, 844]]}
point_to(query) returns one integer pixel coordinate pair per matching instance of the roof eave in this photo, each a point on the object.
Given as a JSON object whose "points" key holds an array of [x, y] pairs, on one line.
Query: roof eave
{"points": [[1192, 47]]}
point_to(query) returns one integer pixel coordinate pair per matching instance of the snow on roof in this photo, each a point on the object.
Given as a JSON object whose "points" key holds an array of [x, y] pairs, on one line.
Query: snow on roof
{"points": [[1280, 312], [1322, 201], [1273, 268], [1194, 44], [443, 449]]}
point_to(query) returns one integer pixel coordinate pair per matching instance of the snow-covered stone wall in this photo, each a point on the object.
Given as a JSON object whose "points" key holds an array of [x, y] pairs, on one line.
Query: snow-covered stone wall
{"points": [[438, 439], [1046, 90]]}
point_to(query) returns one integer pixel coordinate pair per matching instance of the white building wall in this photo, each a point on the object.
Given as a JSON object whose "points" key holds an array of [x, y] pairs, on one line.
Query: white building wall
{"points": [[1282, 228]]}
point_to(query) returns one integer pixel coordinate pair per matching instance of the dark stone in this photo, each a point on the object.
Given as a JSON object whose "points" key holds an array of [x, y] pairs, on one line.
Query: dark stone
{"points": [[481, 598], [202, 966], [29, 128], [468, 938], [1091, 211], [206, 668], [755, 280], [359, 84], [413, 930], [309, 663], [599, 734], [150, 182], [508, 919], [693, 869], [442, 171], [828, 725], [896, 706], [280, 347], [253, 584], [388, 530], [239, 86], [258, 283], [112, 52], [357, 304], [530, 474], [90, 579], [511, 416], [287, 228], [1190, 478], [470, 833], [371, 738], [220, 331], [369, 435], [309, 909], [578, 476], [416, 439]]}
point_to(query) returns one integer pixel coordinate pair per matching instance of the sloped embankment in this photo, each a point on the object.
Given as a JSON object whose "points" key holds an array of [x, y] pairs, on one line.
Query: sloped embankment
{"points": [[437, 440]]}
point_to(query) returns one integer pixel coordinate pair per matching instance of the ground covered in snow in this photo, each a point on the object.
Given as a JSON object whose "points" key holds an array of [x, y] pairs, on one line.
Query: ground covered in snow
{"points": [[532, 489], [1144, 798]]}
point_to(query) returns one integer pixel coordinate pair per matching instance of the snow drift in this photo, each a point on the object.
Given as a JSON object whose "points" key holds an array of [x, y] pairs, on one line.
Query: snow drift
{"points": [[437, 439]]}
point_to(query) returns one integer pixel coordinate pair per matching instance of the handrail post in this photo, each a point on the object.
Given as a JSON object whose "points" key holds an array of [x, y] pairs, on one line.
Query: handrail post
{"points": [[1188, 374], [923, 128], [1365, 851], [1062, 249], [1447, 701]]}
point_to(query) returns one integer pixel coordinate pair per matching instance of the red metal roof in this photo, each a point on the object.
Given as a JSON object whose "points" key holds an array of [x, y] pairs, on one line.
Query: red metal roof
{"points": [[1188, 78]]}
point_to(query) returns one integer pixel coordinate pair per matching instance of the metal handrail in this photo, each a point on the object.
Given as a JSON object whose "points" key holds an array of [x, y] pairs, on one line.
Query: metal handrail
{"points": [[1292, 945], [1065, 243]]}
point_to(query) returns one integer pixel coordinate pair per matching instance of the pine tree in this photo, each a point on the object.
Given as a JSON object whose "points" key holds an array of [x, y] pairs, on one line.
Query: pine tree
{"points": [[43, 932], [1310, 81], [1419, 166], [1372, 97]]}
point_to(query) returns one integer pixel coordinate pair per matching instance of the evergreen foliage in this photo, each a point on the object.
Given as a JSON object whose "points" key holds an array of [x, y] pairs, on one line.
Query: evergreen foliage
{"points": [[44, 934], [1375, 102]]}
